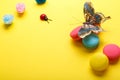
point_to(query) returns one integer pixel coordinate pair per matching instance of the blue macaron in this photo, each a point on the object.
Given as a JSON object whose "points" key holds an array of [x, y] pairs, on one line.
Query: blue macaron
{"points": [[91, 41], [40, 1]]}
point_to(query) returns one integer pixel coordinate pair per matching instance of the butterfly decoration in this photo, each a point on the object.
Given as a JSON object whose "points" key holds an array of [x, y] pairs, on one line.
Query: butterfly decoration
{"points": [[93, 21]]}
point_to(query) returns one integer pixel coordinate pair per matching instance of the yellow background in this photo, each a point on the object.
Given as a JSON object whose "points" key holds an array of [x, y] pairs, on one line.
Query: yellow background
{"points": [[31, 49]]}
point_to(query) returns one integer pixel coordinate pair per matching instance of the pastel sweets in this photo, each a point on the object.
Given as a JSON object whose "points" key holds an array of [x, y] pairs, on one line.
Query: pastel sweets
{"points": [[112, 51], [40, 1], [91, 41], [74, 33], [99, 62]]}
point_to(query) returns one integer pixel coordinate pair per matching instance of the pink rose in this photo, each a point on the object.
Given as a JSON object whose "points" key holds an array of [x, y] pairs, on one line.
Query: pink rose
{"points": [[20, 7]]}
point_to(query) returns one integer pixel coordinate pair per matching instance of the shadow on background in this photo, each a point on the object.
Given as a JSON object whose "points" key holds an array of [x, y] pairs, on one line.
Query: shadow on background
{"points": [[81, 47], [99, 73], [7, 27]]}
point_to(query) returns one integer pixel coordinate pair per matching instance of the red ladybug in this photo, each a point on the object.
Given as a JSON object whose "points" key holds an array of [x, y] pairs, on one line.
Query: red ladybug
{"points": [[44, 17]]}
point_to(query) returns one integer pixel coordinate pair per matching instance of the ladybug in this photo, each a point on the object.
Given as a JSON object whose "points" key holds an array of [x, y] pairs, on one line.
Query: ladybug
{"points": [[44, 18]]}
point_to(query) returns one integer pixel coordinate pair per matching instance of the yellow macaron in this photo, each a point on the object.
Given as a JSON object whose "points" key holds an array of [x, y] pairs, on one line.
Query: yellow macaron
{"points": [[99, 62]]}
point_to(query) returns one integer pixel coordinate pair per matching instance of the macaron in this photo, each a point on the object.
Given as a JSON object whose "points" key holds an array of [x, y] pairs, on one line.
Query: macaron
{"points": [[99, 62], [112, 51], [74, 33], [40, 1], [91, 41], [20, 7]]}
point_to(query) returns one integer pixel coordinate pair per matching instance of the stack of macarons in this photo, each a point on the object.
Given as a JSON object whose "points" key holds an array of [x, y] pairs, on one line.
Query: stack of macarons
{"points": [[90, 42]]}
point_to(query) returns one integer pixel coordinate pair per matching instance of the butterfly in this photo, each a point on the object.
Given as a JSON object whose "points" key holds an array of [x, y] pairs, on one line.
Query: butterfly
{"points": [[92, 21]]}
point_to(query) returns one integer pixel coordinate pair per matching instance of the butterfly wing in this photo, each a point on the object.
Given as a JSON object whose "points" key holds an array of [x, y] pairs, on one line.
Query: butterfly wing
{"points": [[96, 29], [100, 18], [88, 9], [88, 12], [84, 31], [87, 29]]}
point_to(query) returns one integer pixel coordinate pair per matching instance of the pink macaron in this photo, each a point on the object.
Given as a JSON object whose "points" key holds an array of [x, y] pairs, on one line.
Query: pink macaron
{"points": [[74, 33], [112, 51]]}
